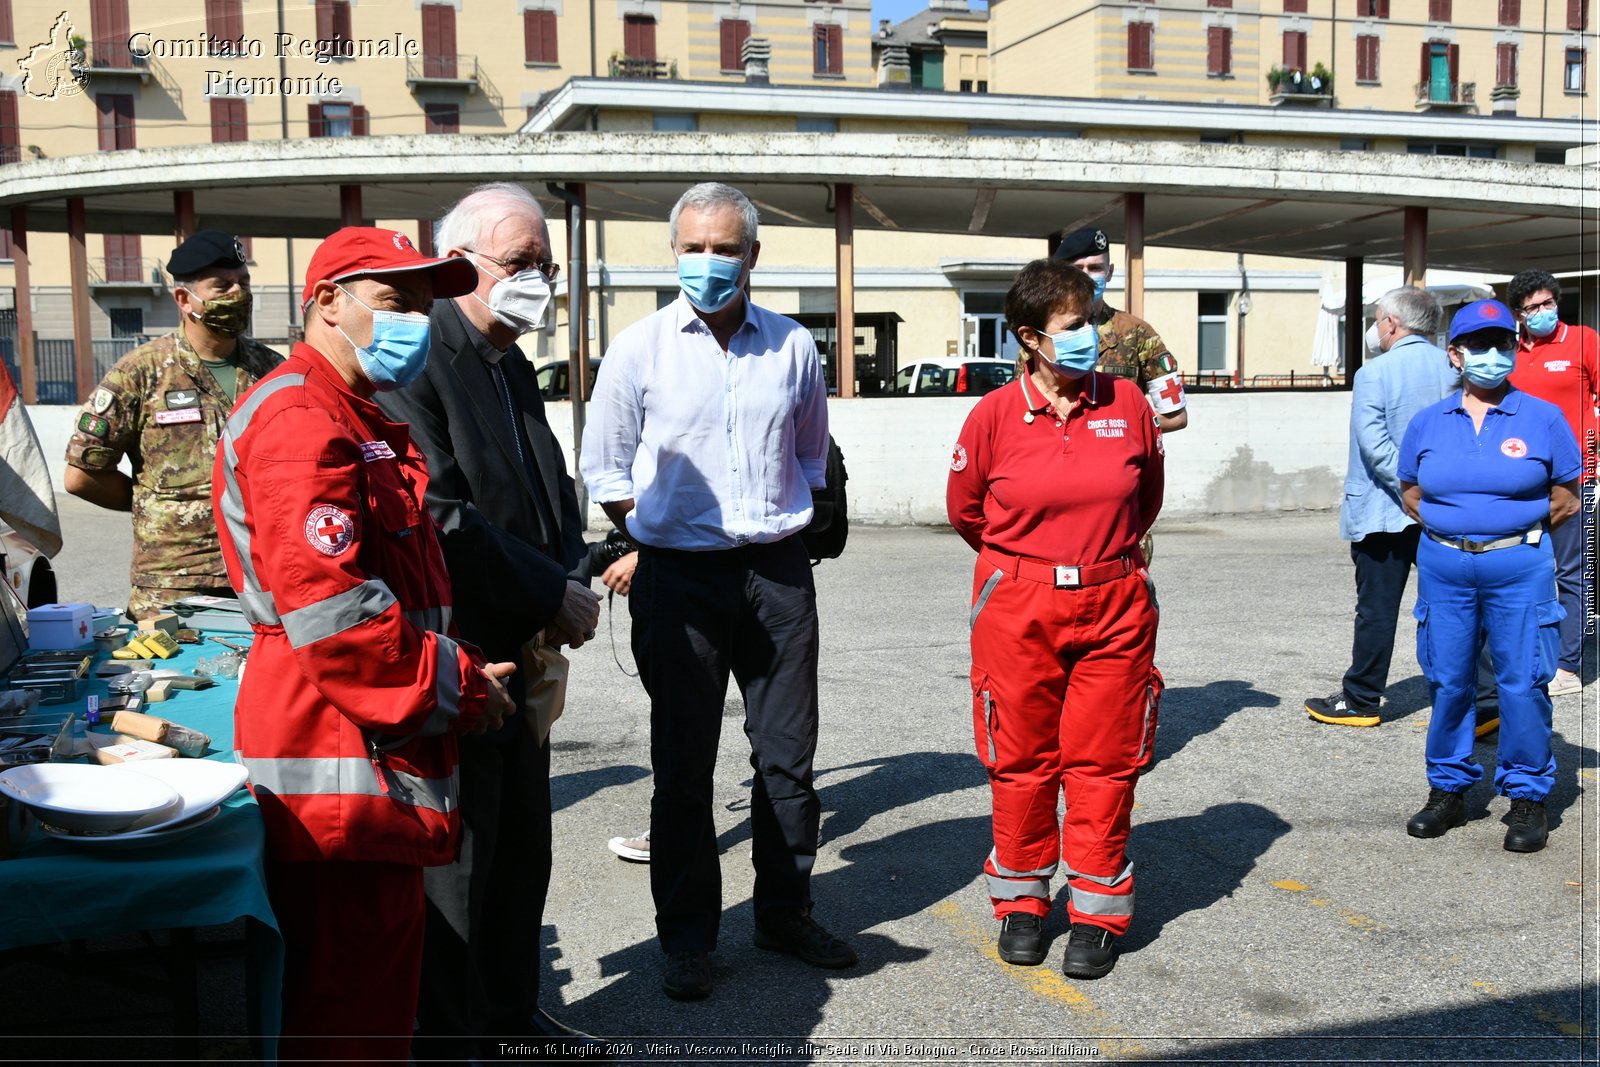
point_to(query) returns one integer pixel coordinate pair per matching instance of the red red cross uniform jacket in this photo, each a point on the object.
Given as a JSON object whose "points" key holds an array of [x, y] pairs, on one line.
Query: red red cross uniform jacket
{"points": [[1064, 691], [354, 690]]}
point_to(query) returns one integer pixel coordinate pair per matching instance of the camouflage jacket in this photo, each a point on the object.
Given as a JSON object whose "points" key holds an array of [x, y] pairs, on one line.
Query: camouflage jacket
{"points": [[1130, 349], [162, 409]]}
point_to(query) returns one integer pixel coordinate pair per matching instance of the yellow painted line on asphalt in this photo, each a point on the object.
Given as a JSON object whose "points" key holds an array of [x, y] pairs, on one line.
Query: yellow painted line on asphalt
{"points": [[1044, 982], [1364, 923], [1545, 1014], [1589, 775]]}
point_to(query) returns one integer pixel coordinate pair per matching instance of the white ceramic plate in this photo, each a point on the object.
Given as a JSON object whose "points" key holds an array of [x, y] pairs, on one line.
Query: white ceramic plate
{"points": [[202, 783], [160, 835], [89, 798]]}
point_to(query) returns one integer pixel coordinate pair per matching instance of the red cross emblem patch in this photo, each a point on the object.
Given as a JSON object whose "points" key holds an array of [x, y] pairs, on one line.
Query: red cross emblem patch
{"points": [[1514, 447], [329, 530], [958, 458]]}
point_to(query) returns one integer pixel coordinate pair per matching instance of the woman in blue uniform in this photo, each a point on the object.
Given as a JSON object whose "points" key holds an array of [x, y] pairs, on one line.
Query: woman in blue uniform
{"points": [[1488, 472]]}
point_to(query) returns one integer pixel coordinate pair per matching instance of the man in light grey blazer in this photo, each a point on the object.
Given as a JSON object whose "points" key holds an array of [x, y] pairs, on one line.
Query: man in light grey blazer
{"points": [[1411, 373]]}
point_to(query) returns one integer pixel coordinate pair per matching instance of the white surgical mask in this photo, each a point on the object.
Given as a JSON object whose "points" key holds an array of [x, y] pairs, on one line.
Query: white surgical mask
{"points": [[518, 302], [1374, 345]]}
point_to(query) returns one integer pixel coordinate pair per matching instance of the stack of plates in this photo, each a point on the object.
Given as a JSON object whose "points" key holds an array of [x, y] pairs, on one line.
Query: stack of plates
{"points": [[129, 805]]}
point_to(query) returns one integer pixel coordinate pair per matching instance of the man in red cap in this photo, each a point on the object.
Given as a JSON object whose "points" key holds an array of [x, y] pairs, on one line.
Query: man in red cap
{"points": [[357, 690]]}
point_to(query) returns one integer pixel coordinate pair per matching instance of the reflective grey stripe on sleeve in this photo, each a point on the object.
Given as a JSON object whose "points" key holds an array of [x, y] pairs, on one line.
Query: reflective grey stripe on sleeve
{"points": [[1116, 880], [447, 678], [435, 619], [1005, 889], [336, 614], [983, 596], [233, 502], [1091, 903], [351, 776], [259, 607], [1042, 872]]}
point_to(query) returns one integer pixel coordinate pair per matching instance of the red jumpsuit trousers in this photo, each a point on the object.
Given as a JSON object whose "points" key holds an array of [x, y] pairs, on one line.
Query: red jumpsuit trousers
{"points": [[1064, 698]]}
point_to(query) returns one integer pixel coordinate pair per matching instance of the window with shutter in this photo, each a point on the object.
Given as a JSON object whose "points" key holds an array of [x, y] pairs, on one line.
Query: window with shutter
{"points": [[109, 25], [438, 41], [1294, 7], [124, 257], [10, 128], [733, 34], [8, 34], [224, 27], [1219, 51], [1294, 49], [316, 125], [114, 112], [333, 27], [539, 36], [1141, 46], [228, 121], [358, 121], [1439, 10], [1374, 9], [1505, 64], [1367, 58], [1219, 3], [827, 49], [1577, 14], [639, 37], [442, 118], [1575, 76], [1510, 12]]}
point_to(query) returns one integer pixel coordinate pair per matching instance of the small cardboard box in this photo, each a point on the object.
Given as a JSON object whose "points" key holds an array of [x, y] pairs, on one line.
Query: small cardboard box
{"points": [[60, 626]]}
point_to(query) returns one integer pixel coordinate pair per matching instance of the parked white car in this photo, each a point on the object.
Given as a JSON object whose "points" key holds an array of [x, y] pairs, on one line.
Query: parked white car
{"points": [[953, 376]]}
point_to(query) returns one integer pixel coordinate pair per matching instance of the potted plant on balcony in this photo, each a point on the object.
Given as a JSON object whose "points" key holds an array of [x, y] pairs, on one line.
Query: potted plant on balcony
{"points": [[1275, 78], [1322, 80]]}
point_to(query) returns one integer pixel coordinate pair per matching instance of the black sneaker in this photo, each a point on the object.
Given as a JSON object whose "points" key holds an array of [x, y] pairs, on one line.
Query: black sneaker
{"points": [[1091, 952], [1337, 710], [1022, 939], [798, 934], [1526, 829], [687, 975], [1443, 810]]}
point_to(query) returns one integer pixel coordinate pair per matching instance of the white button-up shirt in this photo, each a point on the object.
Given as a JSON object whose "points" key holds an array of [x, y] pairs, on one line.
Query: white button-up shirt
{"points": [[716, 448]]}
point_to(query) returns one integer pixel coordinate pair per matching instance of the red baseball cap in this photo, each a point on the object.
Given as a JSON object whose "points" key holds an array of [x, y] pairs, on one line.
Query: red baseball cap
{"points": [[360, 250]]}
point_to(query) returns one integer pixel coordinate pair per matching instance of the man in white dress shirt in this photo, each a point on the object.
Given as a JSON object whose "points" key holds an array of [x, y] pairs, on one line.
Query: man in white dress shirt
{"points": [[707, 430]]}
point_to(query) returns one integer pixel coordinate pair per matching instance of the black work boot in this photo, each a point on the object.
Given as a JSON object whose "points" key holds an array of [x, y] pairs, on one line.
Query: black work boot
{"points": [[1022, 939], [1091, 952], [1443, 811], [1526, 829]]}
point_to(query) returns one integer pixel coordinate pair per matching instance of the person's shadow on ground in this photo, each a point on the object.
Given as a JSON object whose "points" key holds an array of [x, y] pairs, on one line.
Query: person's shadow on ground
{"points": [[1188, 712]]}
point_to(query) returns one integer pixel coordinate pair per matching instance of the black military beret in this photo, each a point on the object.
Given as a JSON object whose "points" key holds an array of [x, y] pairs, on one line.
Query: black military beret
{"points": [[205, 249], [1080, 243]]}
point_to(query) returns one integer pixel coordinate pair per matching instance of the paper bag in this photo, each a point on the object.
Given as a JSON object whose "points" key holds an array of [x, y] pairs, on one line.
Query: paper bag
{"points": [[544, 673]]}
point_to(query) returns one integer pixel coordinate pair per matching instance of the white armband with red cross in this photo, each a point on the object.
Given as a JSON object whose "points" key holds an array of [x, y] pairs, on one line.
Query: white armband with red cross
{"points": [[1166, 393]]}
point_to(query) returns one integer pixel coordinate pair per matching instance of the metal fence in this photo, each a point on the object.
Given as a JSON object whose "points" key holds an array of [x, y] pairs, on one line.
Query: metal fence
{"points": [[57, 363]]}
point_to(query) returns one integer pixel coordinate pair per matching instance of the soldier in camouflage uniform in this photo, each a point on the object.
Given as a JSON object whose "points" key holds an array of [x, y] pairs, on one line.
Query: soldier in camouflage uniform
{"points": [[1129, 348], [164, 405]]}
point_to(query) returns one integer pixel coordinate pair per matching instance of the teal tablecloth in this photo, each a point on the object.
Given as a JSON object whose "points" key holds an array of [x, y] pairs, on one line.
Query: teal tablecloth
{"points": [[56, 891]]}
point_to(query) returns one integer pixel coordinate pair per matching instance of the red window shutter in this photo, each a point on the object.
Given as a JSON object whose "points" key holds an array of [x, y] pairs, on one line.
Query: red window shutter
{"points": [[341, 20], [1427, 67], [7, 33], [1141, 46], [221, 121], [1294, 49], [835, 49], [358, 121], [639, 37], [1294, 7], [439, 40], [249, 244], [548, 30], [324, 20], [1505, 64], [10, 129], [1439, 10], [1577, 14], [109, 25], [7, 249], [1219, 3], [1510, 12], [734, 33], [1454, 52], [314, 120], [443, 118], [539, 36], [1219, 50], [1383, 9], [124, 257]]}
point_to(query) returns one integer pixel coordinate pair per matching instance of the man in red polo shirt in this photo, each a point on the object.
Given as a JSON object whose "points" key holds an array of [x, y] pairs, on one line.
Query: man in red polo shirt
{"points": [[1560, 363]]}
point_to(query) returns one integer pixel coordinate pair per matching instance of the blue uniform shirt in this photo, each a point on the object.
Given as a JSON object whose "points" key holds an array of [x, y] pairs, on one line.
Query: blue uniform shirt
{"points": [[1493, 483]]}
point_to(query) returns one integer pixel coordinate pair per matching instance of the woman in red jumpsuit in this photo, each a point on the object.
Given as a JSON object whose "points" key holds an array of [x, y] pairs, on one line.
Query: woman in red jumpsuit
{"points": [[1054, 480]]}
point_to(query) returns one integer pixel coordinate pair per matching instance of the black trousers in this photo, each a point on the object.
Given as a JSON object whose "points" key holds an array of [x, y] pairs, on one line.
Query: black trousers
{"points": [[480, 963], [1383, 563], [697, 617]]}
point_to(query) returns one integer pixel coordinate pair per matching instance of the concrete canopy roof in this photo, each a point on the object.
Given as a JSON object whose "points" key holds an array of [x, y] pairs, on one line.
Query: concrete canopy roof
{"points": [[1484, 215]]}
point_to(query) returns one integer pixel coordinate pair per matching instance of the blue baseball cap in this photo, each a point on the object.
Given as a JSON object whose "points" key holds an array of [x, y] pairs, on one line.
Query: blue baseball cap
{"points": [[1482, 315]]}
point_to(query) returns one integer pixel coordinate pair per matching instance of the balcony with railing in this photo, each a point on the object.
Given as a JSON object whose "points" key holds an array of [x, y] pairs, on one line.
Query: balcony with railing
{"points": [[127, 272], [451, 71], [1447, 96], [114, 59], [640, 68]]}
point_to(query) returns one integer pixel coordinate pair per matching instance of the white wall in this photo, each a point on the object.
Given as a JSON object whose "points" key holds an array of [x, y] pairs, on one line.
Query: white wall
{"points": [[1243, 452]]}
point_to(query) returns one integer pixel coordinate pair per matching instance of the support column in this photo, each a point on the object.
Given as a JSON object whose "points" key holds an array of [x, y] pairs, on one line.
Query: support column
{"points": [[350, 205], [27, 357], [576, 196], [1133, 240], [844, 237], [183, 214], [1355, 326], [84, 376], [1416, 247]]}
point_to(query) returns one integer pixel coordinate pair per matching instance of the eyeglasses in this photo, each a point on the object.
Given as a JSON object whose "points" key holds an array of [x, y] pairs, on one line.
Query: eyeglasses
{"points": [[548, 268], [1529, 309]]}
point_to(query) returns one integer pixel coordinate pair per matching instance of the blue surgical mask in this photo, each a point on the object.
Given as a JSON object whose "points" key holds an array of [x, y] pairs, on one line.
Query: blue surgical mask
{"points": [[1542, 323], [1076, 351], [1099, 285], [1487, 368], [399, 350], [709, 281]]}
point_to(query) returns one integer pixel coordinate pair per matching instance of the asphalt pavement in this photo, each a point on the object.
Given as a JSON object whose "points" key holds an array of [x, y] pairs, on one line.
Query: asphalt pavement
{"points": [[1283, 915]]}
